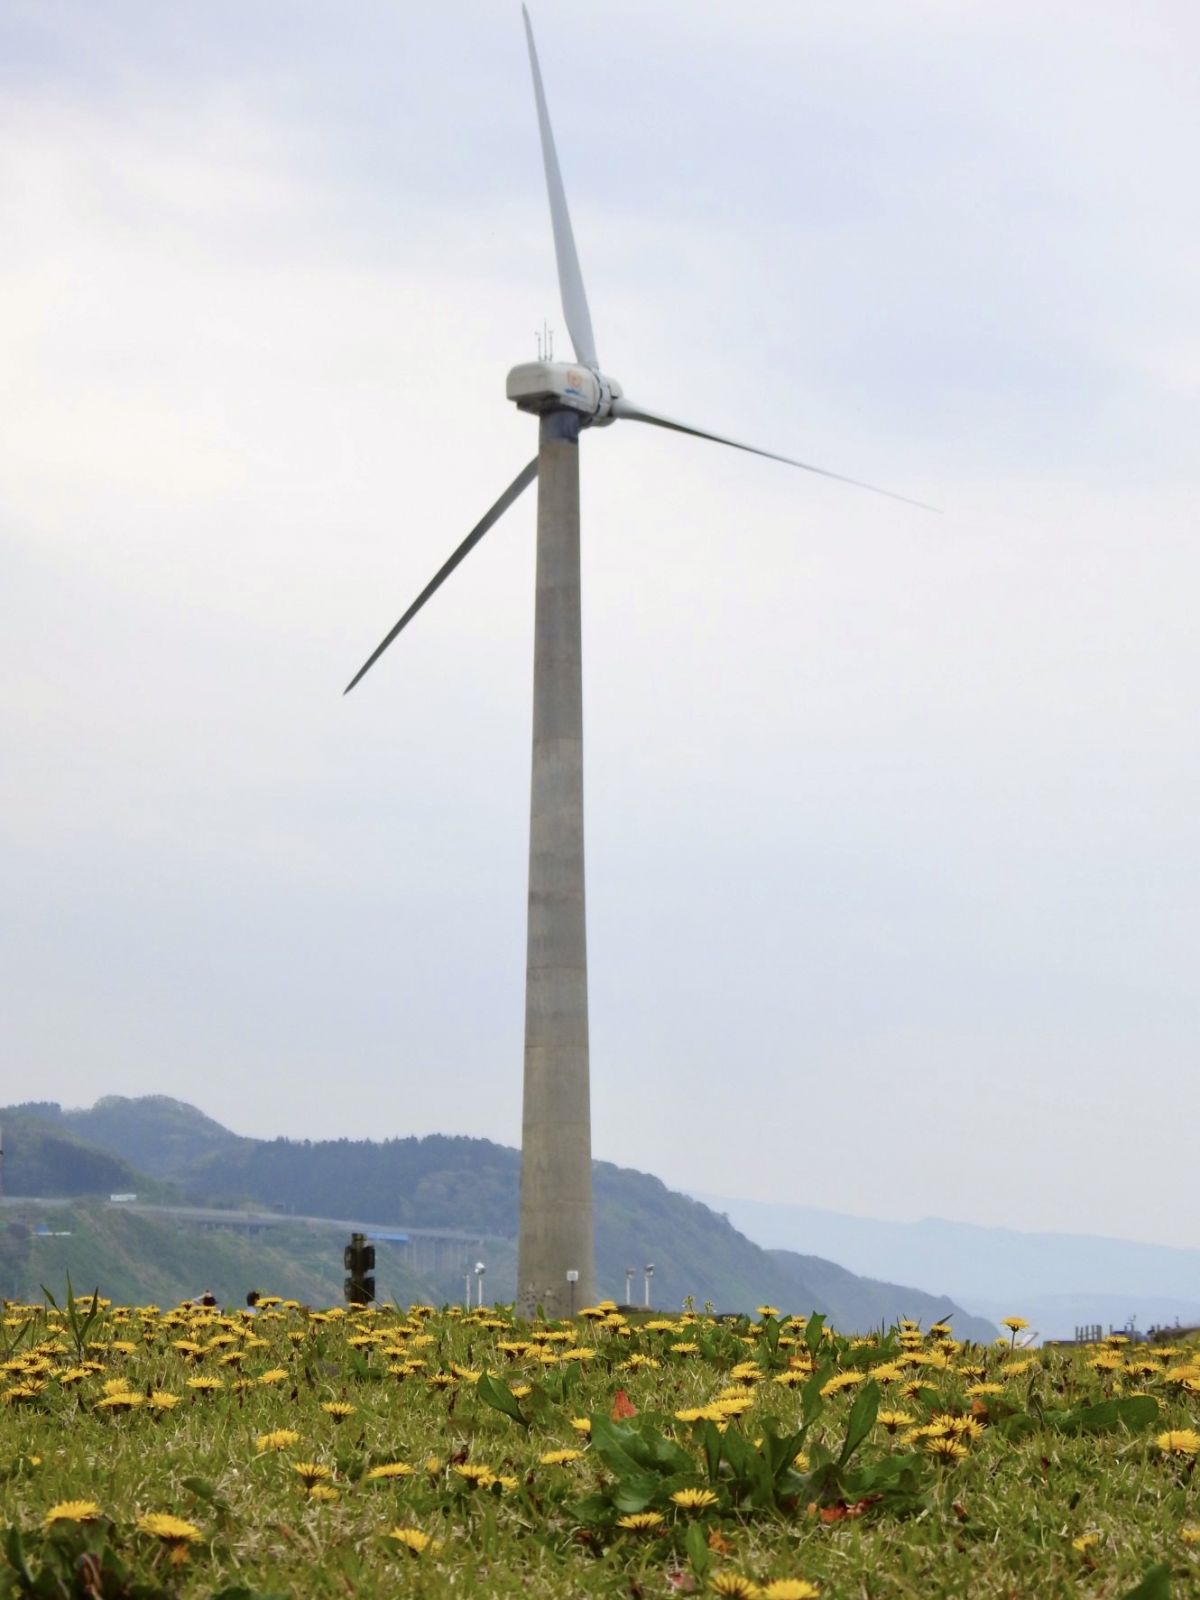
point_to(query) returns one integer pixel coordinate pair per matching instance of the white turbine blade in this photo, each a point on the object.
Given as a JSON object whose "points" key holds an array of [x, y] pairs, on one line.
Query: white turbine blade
{"points": [[635, 413], [492, 515], [570, 279]]}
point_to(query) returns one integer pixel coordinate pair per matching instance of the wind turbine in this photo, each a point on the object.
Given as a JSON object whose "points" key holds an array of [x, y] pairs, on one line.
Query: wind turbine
{"points": [[554, 1251]]}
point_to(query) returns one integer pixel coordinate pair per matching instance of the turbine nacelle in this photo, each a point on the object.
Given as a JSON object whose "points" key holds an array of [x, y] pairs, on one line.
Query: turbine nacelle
{"points": [[541, 386]]}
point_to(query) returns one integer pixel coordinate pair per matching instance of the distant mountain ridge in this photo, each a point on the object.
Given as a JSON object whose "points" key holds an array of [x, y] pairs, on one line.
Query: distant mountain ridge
{"points": [[472, 1184], [1057, 1280]]}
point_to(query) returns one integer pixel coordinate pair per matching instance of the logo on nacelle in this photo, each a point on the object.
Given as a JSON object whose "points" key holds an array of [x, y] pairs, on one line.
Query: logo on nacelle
{"points": [[574, 382]]}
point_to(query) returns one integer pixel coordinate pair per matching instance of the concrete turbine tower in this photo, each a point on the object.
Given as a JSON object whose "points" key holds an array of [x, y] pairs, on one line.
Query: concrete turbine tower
{"points": [[556, 1155]]}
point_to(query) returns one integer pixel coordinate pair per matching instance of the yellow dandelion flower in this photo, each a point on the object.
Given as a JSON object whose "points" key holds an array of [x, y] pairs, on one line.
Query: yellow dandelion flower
{"points": [[732, 1406], [1085, 1541], [339, 1410], [23, 1391], [640, 1521], [841, 1380], [694, 1499], [1179, 1442], [280, 1439], [767, 1311], [275, 1375], [1015, 1323], [71, 1511], [479, 1477], [980, 1389], [391, 1469], [323, 1491], [733, 1586], [959, 1427], [946, 1450], [559, 1458], [125, 1401], [790, 1589], [1190, 1533], [171, 1530], [413, 1540], [800, 1461], [160, 1400], [310, 1472], [891, 1420], [580, 1424], [205, 1385]]}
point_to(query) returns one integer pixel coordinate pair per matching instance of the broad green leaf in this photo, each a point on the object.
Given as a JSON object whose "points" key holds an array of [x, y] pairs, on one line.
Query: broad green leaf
{"points": [[812, 1401], [1134, 1411], [636, 1492], [1156, 1585], [713, 1445], [610, 1441], [500, 1397], [862, 1419], [201, 1488], [696, 1544], [14, 1549], [595, 1509]]}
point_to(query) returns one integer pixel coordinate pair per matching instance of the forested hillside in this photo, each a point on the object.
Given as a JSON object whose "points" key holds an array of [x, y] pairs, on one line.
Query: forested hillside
{"points": [[42, 1156], [468, 1185]]}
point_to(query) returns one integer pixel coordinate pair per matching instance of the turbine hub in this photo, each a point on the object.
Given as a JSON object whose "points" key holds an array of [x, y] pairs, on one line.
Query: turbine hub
{"points": [[541, 386]]}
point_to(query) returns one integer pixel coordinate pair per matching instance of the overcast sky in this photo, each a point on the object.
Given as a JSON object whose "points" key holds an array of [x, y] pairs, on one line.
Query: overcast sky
{"points": [[893, 818]]}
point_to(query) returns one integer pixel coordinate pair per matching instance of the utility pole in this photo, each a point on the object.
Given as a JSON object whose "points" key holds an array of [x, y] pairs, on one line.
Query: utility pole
{"points": [[359, 1260]]}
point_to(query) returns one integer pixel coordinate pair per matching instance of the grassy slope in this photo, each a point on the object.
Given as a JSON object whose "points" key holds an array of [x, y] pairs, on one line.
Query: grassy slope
{"points": [[998, 1525], [135, 1259]]}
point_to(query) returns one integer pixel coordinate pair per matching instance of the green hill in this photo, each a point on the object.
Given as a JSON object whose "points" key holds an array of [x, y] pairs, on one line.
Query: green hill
{"points": [[470, 1185], [134, 1259], [43, 1157], [868, 1302], [156, 1134]]}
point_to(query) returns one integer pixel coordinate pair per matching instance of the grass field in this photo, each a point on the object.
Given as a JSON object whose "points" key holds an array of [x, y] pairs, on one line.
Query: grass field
{"points": [[186, 1452]]}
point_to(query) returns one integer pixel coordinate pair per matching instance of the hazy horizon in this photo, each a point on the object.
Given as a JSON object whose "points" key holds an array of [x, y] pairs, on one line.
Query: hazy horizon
{"points": [[892, 818]]}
